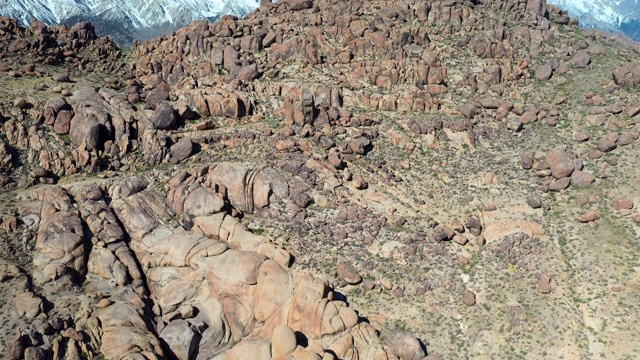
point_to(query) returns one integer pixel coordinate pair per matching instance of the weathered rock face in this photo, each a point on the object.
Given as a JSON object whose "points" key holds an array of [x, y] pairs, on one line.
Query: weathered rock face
{"points": [[237, 282], [247, 189], [60, 246]]}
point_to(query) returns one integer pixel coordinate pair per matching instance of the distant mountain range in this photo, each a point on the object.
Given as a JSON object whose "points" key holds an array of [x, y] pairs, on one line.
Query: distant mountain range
{"points": [[146, 19], [610, 15], [126, 20]]}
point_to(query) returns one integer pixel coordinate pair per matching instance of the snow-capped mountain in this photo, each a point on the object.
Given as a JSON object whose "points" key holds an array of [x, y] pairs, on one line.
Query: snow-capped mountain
{"points": [[126, 20], [610, 15]]}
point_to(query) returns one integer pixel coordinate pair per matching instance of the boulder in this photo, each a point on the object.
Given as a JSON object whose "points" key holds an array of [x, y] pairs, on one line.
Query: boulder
{"points": [[469, 298], [181, 150], [544, 284], [296, 5], [605, 145], [560, 184], [28, 305], [589, 216], [468, 110], [534, 202], [157, 96], [581, 136], [85, 131], [348, 273], [60, 246], [621, 203], [405, 346], [35, 353], [248, 73], [560, 162], [544, 72], [538, 7], [20, 103], [632, 110], [526, 161], [181, 339], [359, 182], [61, 77], [254, 349], [164, 117], [283, 341], [582, 178], [581, 59]]}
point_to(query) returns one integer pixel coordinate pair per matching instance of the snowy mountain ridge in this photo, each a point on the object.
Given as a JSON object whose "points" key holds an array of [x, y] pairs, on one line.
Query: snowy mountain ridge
{"points": [[145, 19], [126, 20], [610, 15]]}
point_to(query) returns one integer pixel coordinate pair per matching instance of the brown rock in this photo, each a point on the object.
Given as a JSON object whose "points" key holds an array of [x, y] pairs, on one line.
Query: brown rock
{"points": [[104, 303], [625, 139], [255, 349], [181, 150], [460, 239], [28, 305], [489, 103], [560, 184], [594, 154], [35, 353], [589, 216], [605, 145], [544, 72], [296, 5], [468, 110], [284, 145], [368, 284], [544, 284], [359, 182], [405, 346], [283, 341], [620, 203], [20, 103], [632, 110], [164, 117], [157, 96], [248, 73], [581, 136], [348, 273], [529, 117], [581, 59], [560, 162], [526, 160], [61, 77], [15, 348], [534, 202], [85, 131], [181, 339], [595, 119], [582, 178], [469, 298]]}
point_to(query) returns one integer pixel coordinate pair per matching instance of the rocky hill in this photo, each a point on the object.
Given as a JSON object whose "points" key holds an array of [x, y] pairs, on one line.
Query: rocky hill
{"points": [[322, 180]]}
